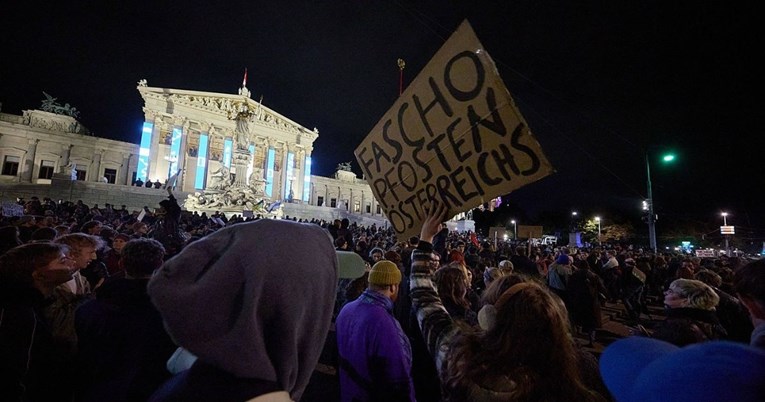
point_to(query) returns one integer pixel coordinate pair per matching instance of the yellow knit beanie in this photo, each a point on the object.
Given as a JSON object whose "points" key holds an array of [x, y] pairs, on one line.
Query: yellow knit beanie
{"points": [[385, 273]]}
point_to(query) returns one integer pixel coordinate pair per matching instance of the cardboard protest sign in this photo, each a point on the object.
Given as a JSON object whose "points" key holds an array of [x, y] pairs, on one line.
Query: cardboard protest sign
{"points": [[453, 137]]}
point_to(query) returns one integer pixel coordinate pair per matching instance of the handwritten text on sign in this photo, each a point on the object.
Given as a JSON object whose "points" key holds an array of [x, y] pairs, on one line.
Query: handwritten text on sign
{"points": [[454, 137]]}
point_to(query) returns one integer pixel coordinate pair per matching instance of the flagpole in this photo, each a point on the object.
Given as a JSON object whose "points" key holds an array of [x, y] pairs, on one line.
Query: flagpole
{"points": [[401, 65]]}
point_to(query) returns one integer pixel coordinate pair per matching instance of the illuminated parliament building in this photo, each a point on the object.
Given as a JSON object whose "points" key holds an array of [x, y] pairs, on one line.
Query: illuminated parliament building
{"points": [[198, 142]]}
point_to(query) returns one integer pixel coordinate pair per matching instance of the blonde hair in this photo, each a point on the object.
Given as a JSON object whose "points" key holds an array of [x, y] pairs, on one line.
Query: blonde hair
{"points": [[77, 241], [697, 293]]}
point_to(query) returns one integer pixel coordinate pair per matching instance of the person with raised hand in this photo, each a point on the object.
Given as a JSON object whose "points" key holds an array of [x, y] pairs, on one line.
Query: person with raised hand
{"points": [[528, 354]]}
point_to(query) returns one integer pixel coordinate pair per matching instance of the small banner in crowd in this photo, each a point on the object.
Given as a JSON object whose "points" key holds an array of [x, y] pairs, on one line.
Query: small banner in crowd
{"points": [[12, 209], [454, 137]]}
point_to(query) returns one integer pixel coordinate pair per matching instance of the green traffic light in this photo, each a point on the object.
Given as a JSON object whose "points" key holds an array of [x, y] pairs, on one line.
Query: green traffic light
{"points": [[668, 158]]}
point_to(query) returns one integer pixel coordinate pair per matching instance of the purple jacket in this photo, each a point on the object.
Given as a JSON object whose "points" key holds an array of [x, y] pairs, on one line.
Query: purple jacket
{"points": [[375, 355]]}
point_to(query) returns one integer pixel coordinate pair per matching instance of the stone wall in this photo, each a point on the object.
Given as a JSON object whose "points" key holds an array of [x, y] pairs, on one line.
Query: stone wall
{"points": [[306, 211], [135, 198]]}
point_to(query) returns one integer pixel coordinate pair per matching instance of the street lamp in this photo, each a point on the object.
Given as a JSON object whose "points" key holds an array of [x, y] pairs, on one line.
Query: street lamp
{"points": [[597, 219], [648, 205], [515, 230], [725, 223]]}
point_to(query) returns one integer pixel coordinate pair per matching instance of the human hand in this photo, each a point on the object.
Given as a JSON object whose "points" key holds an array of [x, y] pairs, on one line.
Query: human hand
{"points": [[433, 220]]}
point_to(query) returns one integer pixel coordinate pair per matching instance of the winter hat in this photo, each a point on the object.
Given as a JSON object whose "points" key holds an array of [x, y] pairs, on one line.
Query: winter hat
{"points": [[562, 259], [506, 265], [349, 265], [385, 273], [645, 369], [252, 299]]}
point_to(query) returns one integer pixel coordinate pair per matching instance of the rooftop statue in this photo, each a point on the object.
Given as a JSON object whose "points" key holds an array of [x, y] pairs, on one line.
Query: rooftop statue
{"points": [[50, 105], [346, 166]]}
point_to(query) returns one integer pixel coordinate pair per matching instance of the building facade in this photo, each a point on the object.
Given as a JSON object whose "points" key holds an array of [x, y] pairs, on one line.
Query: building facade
{"points": [[196, 140], [38, 144]]}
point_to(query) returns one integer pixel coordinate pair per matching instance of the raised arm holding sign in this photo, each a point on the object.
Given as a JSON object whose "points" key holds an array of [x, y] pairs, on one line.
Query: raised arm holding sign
{"points": [[454, 137]]}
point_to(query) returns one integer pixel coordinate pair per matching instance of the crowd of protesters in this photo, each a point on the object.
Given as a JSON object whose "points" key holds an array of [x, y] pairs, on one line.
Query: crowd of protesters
{"points": [[440, 316]]}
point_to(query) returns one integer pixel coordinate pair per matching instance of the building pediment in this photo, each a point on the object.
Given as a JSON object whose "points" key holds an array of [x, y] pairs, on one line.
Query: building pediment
{"points": [[226, 106]]}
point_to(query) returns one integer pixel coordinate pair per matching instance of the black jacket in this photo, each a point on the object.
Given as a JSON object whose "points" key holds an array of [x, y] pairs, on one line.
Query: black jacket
{"points": [[122, 344], [32, 366]]}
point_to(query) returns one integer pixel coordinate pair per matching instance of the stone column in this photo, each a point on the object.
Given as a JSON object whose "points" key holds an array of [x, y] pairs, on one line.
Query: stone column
{"points": [[97, 158], [289, 181], [351, 204], [182, 154], [125, 169], [65, 159], [151, 168], [28, 164]]}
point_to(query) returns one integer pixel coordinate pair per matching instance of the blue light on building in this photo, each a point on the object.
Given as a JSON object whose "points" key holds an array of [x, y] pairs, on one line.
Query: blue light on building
{"points": [[144, 151], [270, 172], [199, 182], [307, 179], [228, 146]]}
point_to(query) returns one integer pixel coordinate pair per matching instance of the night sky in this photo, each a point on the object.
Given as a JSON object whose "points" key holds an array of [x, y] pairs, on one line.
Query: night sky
{"points": [[600, 83]]}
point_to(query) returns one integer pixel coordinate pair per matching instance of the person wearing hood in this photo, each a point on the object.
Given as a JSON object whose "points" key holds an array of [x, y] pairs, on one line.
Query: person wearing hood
{"points": [[255, 317]]}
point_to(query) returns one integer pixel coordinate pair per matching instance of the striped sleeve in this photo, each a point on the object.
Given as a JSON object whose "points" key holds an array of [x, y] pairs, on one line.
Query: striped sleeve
{"points": [[435, 323]]}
